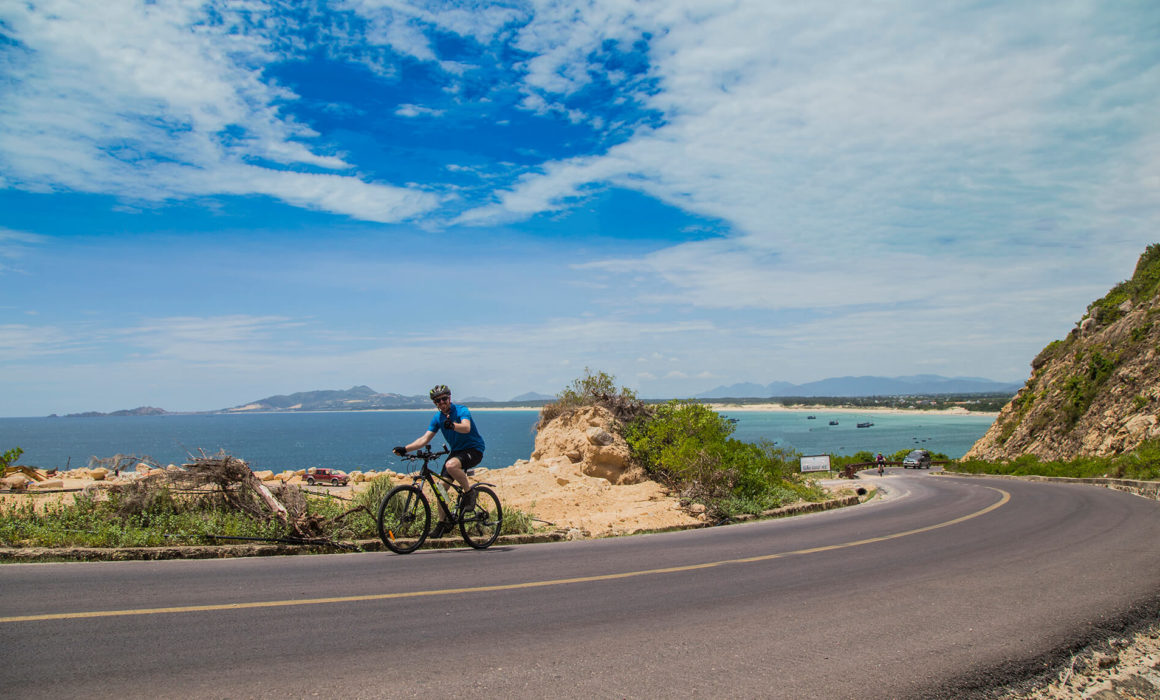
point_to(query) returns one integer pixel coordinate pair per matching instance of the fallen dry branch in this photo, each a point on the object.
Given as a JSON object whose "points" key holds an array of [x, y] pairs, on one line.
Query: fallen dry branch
{"points": [[240, 489], [119, 462]]}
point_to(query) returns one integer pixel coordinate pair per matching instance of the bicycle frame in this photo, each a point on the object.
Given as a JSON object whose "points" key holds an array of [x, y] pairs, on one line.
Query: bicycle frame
{"points": [[435, 480]]}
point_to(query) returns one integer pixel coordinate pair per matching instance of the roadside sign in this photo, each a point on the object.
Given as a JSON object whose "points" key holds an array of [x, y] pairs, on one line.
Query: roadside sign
{"points": [[816, 463]]}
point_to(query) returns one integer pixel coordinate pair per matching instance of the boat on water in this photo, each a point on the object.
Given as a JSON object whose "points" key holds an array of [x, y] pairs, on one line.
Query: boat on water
{"points": [[811, 417], [833, 422], [867, 424]]}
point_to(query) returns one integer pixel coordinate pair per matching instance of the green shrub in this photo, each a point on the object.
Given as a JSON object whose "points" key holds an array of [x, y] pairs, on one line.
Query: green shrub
{"points": [[688, 447], [1143, 463], [7, 459], [1140, 288], [1080, 389], [594, 389]]}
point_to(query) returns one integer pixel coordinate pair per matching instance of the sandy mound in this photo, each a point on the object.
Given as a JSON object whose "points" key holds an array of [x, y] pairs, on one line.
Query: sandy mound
{"points": [[558, 492], [581, 477]]}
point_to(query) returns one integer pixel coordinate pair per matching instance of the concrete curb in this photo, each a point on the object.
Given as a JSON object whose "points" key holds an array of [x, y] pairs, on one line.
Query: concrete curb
{"points": [[1147, 489], [226, 551]]}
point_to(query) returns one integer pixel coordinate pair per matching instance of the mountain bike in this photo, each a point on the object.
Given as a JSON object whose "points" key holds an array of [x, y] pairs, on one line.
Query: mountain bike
{"points": [[404, 518]]}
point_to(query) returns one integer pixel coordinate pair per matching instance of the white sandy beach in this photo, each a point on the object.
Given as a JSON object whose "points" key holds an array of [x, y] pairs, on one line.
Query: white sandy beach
{"points": [[776, 407]]}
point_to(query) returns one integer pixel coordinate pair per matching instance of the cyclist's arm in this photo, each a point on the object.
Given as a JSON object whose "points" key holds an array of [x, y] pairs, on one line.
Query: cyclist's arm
{"points": [[421, 442], [463, 426]]}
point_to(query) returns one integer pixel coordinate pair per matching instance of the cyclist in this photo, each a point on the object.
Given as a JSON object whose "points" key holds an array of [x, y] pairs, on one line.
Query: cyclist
{"points": [[454, 421], [881, 463]]}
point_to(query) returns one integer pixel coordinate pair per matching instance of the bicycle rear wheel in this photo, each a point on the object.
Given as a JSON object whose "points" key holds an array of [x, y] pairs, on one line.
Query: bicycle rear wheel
{"points": [[480, 526], [404, 518]]}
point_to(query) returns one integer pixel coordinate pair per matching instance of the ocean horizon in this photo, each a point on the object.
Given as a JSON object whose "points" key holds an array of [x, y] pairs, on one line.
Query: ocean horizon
{"points": [[363, 440]]}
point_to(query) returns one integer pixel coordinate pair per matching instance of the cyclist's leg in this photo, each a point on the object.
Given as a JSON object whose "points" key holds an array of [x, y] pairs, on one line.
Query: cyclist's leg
{"points": [[453, 467], [457, 465]]}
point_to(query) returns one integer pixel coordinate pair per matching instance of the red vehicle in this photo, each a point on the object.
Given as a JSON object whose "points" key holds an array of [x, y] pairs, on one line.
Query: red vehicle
{"points": [[322, 475]]}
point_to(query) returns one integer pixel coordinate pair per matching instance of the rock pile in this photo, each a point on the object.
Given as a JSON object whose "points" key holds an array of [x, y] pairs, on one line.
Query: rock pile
{"points": [[587, 439]]}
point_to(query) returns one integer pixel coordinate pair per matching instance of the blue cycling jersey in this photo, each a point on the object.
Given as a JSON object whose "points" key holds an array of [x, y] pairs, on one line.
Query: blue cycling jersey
{"points": [[471, 440]]}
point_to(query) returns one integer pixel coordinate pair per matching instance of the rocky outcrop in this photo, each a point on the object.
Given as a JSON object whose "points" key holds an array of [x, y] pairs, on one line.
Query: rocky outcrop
{"points": [[588, 437], [1096, 392]]}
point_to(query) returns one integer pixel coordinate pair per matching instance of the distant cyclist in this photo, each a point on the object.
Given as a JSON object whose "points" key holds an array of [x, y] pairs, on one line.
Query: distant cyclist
{"points": [[466, 444], [881, 463]]}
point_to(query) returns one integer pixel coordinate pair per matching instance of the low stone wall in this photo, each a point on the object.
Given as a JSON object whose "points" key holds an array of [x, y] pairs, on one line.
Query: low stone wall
{"points": [[1147, 489]]}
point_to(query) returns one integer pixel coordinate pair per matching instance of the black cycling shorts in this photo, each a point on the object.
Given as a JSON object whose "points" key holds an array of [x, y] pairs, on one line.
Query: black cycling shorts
{"points": [[467, 458]]}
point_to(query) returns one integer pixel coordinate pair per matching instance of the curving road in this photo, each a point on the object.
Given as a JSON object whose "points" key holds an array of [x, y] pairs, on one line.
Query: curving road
{"points": [[945, 586]]}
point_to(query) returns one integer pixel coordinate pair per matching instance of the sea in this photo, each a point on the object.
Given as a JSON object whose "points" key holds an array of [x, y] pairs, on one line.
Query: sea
{"points": [[362, 440]]}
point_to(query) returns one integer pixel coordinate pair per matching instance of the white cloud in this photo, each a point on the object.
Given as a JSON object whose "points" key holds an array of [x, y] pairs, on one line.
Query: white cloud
{"points": [[409, 110], [167, 105], [892, 141]]}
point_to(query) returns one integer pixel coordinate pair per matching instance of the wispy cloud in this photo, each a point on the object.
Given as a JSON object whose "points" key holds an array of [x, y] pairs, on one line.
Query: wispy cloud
{"points": [[171, 104], [20, 342], [14, 245]]}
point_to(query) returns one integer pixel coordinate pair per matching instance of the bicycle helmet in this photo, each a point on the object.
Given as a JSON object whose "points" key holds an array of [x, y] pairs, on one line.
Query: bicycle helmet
{"points": [[439, 390]]}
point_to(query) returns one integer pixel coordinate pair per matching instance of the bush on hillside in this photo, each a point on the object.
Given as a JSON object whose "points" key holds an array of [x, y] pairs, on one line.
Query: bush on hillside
{"points": [[1142, 463], [594, 389], [687, 446]]}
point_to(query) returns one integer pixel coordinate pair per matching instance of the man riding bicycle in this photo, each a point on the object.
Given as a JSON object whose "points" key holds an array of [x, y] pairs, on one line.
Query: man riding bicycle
{"points": [[463, 439]]}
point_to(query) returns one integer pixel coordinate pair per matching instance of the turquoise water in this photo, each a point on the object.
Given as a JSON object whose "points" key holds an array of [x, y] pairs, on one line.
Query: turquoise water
{"points": [[951, 435], [363, 440]]}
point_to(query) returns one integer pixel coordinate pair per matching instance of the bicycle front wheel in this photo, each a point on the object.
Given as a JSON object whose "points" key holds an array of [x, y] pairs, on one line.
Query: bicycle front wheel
{"points": [[480, 526], [404, 518]]}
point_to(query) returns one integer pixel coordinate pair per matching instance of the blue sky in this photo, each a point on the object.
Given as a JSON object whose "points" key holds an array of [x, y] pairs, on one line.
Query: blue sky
{"points": [[205, 203]]}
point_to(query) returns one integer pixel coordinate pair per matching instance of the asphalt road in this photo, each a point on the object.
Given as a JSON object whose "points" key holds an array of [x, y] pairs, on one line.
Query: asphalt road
{"points": [[944, 588]]}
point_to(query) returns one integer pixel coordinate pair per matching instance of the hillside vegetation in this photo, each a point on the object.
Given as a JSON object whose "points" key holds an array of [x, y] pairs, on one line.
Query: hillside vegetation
{"points": [[1095, 393]]}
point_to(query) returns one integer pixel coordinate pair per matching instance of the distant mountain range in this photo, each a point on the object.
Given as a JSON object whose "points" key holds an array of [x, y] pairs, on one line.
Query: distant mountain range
{"points": [[353, 399], [363, 398], [924, 384], [533, 396]]}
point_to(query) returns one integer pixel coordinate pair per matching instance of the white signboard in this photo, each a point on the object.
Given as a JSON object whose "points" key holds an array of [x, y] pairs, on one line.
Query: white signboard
{"points": [[816, 463]]}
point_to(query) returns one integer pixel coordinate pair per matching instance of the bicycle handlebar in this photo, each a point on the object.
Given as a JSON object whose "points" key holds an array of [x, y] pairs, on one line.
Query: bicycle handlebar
{"points": [[426, 454]]}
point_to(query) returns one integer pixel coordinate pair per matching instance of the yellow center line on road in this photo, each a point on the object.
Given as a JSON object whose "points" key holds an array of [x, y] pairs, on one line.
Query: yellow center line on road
{"points": [[502, 587]]}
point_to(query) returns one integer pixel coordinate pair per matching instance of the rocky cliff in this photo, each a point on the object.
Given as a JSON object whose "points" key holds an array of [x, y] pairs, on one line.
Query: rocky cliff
{"points": [[1097, 391]]}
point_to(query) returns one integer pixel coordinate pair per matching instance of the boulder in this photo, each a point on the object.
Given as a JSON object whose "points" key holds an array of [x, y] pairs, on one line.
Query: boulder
{"points": [[588, 437], [16, 482], [98, 474]]}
